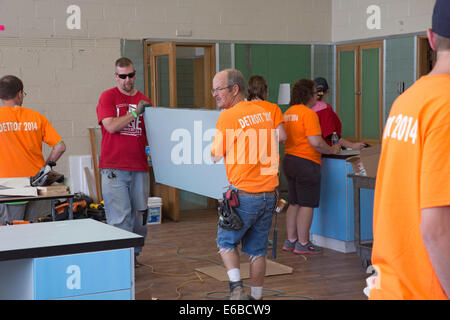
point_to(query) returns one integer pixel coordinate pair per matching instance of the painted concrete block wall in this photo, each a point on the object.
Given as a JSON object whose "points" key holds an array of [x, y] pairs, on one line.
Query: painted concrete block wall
{"points": [[63, 79], [250, 20], [225, 56], [324, 67], [134, 50], [399, 68], [396, 17]]}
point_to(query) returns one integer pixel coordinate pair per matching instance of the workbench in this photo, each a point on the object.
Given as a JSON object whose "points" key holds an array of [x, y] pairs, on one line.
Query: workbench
{"points": [[363, 248], [72, 259]]}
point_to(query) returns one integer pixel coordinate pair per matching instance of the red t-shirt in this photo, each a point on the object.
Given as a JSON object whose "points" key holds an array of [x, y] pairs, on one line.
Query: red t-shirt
{"points": [[123, 150], [329, 121]]}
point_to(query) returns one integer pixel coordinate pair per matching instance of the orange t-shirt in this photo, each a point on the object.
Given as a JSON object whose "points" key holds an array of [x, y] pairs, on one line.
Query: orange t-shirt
{"points": [[245, 137], [413, 174], [22, 132], [275, 112], [300, 122]]}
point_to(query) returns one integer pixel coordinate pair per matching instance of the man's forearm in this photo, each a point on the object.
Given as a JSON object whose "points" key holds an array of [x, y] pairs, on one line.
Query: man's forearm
{"points": [[56, 152], [435, 228], [113, 125]]}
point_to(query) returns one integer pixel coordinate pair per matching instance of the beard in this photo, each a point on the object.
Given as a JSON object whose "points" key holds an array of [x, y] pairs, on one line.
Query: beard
{"points": [[128, 87]]}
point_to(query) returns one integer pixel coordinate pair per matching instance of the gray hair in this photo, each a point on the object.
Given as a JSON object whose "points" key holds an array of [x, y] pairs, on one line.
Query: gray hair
{"points": [[234, 76]]}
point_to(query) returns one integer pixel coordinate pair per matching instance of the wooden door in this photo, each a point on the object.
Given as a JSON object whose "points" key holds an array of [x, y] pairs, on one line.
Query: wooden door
{"points": [[164, 94], [359, 86]]}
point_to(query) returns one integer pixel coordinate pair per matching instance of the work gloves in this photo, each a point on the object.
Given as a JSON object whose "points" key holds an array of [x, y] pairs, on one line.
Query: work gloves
{"points": [[141, 107]]}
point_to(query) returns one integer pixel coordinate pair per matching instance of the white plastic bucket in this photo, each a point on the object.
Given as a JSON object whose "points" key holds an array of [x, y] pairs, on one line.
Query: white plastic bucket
{"points": [[154, 210]]}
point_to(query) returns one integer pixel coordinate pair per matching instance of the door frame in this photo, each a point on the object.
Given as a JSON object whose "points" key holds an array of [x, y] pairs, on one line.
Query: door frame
{"points": [[358, 47], [169, 48]]}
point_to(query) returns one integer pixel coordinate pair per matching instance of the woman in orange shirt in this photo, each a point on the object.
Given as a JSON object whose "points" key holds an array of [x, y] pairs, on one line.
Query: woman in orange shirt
{"points": [[257, 93], [304, 147]]}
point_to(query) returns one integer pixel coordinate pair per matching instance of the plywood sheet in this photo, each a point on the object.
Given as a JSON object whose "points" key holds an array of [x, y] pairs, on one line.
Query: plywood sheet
{"points": [[220, 273]]}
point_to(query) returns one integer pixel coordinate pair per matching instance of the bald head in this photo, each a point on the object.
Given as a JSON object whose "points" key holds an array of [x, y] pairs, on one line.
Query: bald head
{"points": [[228, 88]]}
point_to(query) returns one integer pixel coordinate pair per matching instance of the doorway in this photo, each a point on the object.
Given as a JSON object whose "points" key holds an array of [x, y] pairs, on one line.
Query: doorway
{"points": [[179, 75]]}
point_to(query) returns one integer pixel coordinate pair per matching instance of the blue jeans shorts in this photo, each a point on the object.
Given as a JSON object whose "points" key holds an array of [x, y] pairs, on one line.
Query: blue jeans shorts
{"points": [[256, 212], [125, 193]]}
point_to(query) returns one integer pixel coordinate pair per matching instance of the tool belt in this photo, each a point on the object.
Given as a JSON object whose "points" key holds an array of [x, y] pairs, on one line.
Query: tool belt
{"points": [[229, 219]]}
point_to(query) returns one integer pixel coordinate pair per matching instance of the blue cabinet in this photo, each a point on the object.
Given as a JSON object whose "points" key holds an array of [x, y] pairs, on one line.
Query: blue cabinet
{"points": [[333, 221], [72, 259], [82, 274]]}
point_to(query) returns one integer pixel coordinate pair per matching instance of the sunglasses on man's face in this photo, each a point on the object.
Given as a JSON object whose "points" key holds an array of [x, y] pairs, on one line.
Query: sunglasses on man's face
{"points": [[129, 75]]}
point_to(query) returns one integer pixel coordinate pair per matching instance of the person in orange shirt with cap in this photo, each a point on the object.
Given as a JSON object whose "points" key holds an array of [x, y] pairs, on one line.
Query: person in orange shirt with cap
{"points": [[246, 140], [411, 222]]}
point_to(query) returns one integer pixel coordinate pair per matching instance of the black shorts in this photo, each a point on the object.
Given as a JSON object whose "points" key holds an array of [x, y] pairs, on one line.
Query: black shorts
{"points": [[303, 178]]}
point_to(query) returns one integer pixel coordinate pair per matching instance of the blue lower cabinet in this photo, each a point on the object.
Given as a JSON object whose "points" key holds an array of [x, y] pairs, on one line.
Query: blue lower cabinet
{"points": [[82, 274], [114, 295], [335, 216]]}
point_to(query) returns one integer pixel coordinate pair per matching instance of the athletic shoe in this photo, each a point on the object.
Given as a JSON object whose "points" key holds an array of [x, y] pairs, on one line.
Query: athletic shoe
{"points": [[237, 291], [308, 248], [289, 246]]}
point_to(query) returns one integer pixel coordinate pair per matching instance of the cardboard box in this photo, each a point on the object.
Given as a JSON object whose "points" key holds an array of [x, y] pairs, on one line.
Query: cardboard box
{"points": [[366, 163]]}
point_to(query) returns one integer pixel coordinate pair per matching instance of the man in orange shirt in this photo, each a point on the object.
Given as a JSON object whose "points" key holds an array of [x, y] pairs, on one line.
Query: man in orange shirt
{"points": [[247, 141], [22, 132], [411, 224]]}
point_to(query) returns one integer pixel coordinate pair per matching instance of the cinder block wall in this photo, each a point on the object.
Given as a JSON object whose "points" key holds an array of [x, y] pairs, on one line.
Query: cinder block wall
{"points": [[63, 79], [396, 17]]}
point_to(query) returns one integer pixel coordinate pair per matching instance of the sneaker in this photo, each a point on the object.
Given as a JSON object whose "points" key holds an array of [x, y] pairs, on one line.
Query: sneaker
{"points": [[308, 248], [237, 291], [288, 246]]}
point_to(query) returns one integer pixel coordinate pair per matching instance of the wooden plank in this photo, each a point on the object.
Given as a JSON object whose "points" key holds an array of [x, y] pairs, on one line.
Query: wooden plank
{"points": [[27, 191], [53, 190], [89, 183], [98, 187]]}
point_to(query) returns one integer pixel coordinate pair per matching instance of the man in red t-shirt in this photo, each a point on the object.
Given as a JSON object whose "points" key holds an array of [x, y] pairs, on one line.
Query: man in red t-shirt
{"points": [[125, 177]]}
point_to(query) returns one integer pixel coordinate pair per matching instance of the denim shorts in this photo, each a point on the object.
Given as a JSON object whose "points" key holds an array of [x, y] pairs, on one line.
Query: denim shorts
{"points": [[256, 213], [125, 193]]}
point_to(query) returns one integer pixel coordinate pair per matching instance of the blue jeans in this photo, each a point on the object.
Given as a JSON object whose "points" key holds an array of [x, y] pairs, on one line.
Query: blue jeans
{"points": [[256, 214], [125, 194]]}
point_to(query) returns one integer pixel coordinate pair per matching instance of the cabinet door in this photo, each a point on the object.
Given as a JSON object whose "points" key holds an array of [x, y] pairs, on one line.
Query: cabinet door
{"points": [[82, 274]]}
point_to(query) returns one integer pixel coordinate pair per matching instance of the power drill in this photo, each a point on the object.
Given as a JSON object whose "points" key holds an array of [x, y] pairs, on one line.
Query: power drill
{"points": [[97, 206]]}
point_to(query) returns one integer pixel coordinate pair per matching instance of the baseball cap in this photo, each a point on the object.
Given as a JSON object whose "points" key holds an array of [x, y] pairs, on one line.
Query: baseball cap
{"points": [[322, 84], [441, 18]]}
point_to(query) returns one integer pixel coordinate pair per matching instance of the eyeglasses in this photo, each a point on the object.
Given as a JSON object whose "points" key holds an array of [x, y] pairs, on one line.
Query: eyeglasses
{"points": [[24, 94], [124, 76], [219, 89]]}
